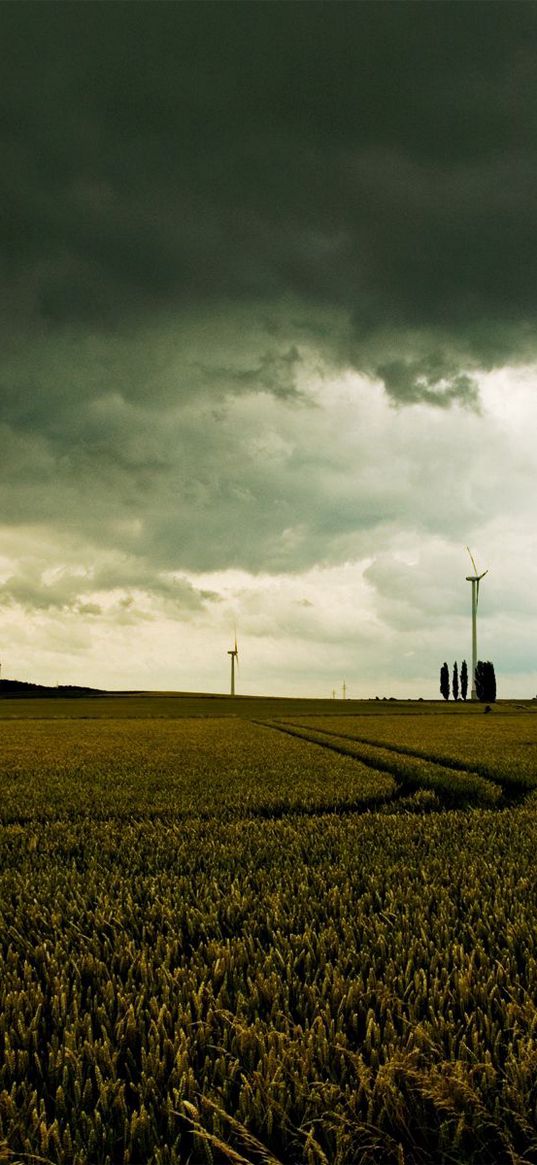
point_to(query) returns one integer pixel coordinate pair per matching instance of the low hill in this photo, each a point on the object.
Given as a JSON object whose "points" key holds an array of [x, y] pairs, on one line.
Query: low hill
{"points": [[15, 688]]}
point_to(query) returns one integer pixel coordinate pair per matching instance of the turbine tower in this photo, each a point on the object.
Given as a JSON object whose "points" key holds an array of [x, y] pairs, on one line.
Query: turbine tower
{"points": [[234, 656], [475, 580]]}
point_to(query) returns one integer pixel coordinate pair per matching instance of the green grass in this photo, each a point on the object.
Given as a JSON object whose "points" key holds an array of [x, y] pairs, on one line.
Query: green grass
{"points": [[173, 705]]}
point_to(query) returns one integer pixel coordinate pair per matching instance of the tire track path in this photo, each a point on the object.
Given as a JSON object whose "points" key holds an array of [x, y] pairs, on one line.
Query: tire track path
{"points": [[454, 786]]}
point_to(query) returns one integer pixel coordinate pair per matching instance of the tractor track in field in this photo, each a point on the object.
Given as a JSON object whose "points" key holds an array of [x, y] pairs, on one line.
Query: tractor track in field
{"points": [[399, 750], [303, 733], [233, 816], [373, 755], [515, 789]]}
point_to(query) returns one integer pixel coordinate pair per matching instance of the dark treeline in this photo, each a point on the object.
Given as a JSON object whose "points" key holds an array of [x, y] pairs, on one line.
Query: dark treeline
{"points": [[459, 683], [485, 681], [22, 688]]}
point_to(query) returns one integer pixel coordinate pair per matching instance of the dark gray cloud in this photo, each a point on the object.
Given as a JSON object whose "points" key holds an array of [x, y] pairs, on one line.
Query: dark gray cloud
{"points": [[433, 380], [376, 158], [217, 203]]}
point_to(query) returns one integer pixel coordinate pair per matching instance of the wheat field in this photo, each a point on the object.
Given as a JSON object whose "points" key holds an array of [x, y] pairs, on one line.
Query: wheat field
{"points": [[267, 935]]}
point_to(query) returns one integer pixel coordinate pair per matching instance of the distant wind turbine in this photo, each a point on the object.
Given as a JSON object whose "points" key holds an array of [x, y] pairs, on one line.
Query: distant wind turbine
{"points": [[475, 580], [234, 657]]}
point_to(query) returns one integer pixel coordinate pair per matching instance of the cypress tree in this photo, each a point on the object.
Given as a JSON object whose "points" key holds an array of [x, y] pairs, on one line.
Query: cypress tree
{"points": [[485, 681], [464, 679], [444, 681], [455, 682]]}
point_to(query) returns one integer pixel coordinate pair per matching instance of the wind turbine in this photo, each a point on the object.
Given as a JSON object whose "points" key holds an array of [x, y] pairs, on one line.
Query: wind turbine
{"points": [[234, 656], [475, 580]]}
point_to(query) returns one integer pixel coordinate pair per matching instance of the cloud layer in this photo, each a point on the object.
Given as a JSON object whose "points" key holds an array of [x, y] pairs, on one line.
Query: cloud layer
{"points": [[268, 313]]}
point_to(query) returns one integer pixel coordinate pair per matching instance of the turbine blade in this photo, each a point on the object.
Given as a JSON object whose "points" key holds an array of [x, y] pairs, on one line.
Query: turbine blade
{"points": [[471, 559]]}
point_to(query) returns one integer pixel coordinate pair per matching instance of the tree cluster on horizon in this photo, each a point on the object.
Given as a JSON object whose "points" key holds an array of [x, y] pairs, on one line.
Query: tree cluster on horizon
{"points": [[485, 681]]}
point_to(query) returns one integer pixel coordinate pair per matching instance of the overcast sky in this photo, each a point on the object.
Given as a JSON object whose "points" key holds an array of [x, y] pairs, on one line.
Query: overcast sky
{"points": [[269, 345]]}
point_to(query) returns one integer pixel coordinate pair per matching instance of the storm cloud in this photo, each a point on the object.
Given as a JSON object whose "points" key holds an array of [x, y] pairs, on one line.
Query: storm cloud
{"points": [[261, 266], [376, 159]]}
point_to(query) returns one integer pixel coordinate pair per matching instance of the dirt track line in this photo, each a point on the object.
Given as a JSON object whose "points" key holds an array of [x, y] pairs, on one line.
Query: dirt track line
{"points": [[478, 786], [516, 788], [402, 750], [299, 732]]}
